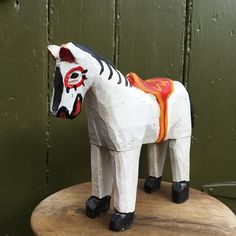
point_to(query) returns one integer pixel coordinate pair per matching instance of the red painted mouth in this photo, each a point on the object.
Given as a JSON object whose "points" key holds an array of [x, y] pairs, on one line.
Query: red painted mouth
{"points": [[63, 115], [77, 109]]}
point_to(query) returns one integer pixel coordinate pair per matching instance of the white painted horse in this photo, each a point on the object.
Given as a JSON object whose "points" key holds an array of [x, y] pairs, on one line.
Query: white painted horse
{"points": [[121, 117]]}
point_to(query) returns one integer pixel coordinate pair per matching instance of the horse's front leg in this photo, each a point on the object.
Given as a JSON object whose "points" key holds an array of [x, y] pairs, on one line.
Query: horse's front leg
{"points": [[102, 179], [126, 164], [180, 158]]}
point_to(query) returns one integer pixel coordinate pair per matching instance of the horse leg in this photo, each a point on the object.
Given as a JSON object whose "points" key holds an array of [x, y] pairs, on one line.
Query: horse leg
{"points": [[126, 165], [156, 160], [102, 179], [179, 156]]}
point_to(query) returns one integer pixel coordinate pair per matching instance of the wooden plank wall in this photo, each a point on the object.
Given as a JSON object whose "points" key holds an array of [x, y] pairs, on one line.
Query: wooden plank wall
{"points": [[190, 41], [23, 112], [212, 85]]}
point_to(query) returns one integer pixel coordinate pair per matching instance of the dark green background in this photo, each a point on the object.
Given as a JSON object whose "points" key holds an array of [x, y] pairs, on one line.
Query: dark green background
{"points": [[193, 41]]}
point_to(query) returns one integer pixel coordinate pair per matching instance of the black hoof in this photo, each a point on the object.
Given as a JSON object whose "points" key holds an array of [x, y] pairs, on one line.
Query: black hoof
{"points": [[121, 221], [152, 184], [180, 191], [97, 207]]}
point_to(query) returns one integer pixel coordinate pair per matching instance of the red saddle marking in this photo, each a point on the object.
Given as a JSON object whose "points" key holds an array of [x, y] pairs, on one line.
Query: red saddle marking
{"points": [[161, 88]]}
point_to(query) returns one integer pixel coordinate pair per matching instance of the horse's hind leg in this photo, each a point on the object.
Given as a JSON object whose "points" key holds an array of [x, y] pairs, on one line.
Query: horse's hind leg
{"points": [[156, 161], [179, 156], [102, 180]]}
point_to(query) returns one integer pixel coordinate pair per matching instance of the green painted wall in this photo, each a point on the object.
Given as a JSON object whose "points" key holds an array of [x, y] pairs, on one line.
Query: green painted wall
{"points": [[212, 84], [193, 41], [23, 113]]}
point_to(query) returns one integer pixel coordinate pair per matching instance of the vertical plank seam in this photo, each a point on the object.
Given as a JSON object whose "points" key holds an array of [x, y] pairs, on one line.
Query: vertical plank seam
{"points": [[187, 42], [48, 99], [116, 33]]}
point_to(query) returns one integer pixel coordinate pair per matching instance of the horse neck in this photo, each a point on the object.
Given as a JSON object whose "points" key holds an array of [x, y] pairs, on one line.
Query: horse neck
{"points": [[107, 90], [114, 80]]}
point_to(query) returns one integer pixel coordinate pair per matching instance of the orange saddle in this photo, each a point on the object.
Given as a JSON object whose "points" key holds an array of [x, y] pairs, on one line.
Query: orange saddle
{"points": [[161, 88]]}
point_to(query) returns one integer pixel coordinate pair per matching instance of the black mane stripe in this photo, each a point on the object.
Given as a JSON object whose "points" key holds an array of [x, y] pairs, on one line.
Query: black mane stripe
{"points": [[110, 69], [126, 83], [120, 81], [102, 67]]}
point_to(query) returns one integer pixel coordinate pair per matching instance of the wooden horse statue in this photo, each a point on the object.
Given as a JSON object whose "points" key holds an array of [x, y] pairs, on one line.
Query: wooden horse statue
{"points": [[123, 114]]}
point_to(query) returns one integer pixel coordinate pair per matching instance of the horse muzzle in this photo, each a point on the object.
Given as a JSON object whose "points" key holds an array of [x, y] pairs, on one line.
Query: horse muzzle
{"points": [[63, 112]]}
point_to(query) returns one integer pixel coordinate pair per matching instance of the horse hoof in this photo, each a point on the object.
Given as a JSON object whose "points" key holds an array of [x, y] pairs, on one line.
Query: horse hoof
{"points": [[180, 191], [152, 184], [97, 207], [121, 221]]}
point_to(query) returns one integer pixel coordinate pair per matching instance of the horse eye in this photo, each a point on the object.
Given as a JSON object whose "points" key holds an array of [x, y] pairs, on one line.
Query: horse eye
{"points": [[74, 76]]}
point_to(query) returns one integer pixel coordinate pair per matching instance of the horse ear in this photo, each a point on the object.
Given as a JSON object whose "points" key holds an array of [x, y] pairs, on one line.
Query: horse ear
{"points": [[54, 51], [65, 54]]}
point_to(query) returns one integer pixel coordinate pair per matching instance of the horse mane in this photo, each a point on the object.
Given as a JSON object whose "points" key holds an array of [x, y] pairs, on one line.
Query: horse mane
{"points": [[101, 59], [95, 54]]}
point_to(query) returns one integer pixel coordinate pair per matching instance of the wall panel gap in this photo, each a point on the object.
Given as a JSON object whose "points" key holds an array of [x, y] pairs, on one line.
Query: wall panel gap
{"points": [[116, 33], [48, 126], [187, 42]]}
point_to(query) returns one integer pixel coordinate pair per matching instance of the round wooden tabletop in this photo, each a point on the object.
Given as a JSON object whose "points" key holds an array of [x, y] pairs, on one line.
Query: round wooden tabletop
{"points": [[63, 214]]}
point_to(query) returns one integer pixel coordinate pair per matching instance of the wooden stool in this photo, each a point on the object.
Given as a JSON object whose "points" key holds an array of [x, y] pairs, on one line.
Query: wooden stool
{"points": [[63, 214]]}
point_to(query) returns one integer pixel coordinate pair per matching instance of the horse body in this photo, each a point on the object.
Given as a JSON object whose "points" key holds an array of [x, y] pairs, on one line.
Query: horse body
{"points": [[121, 118], [125, 116], [128, 117]]}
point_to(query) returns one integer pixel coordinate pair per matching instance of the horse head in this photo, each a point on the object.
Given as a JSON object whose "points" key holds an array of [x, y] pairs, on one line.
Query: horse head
{"points": [[74, 75]]}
